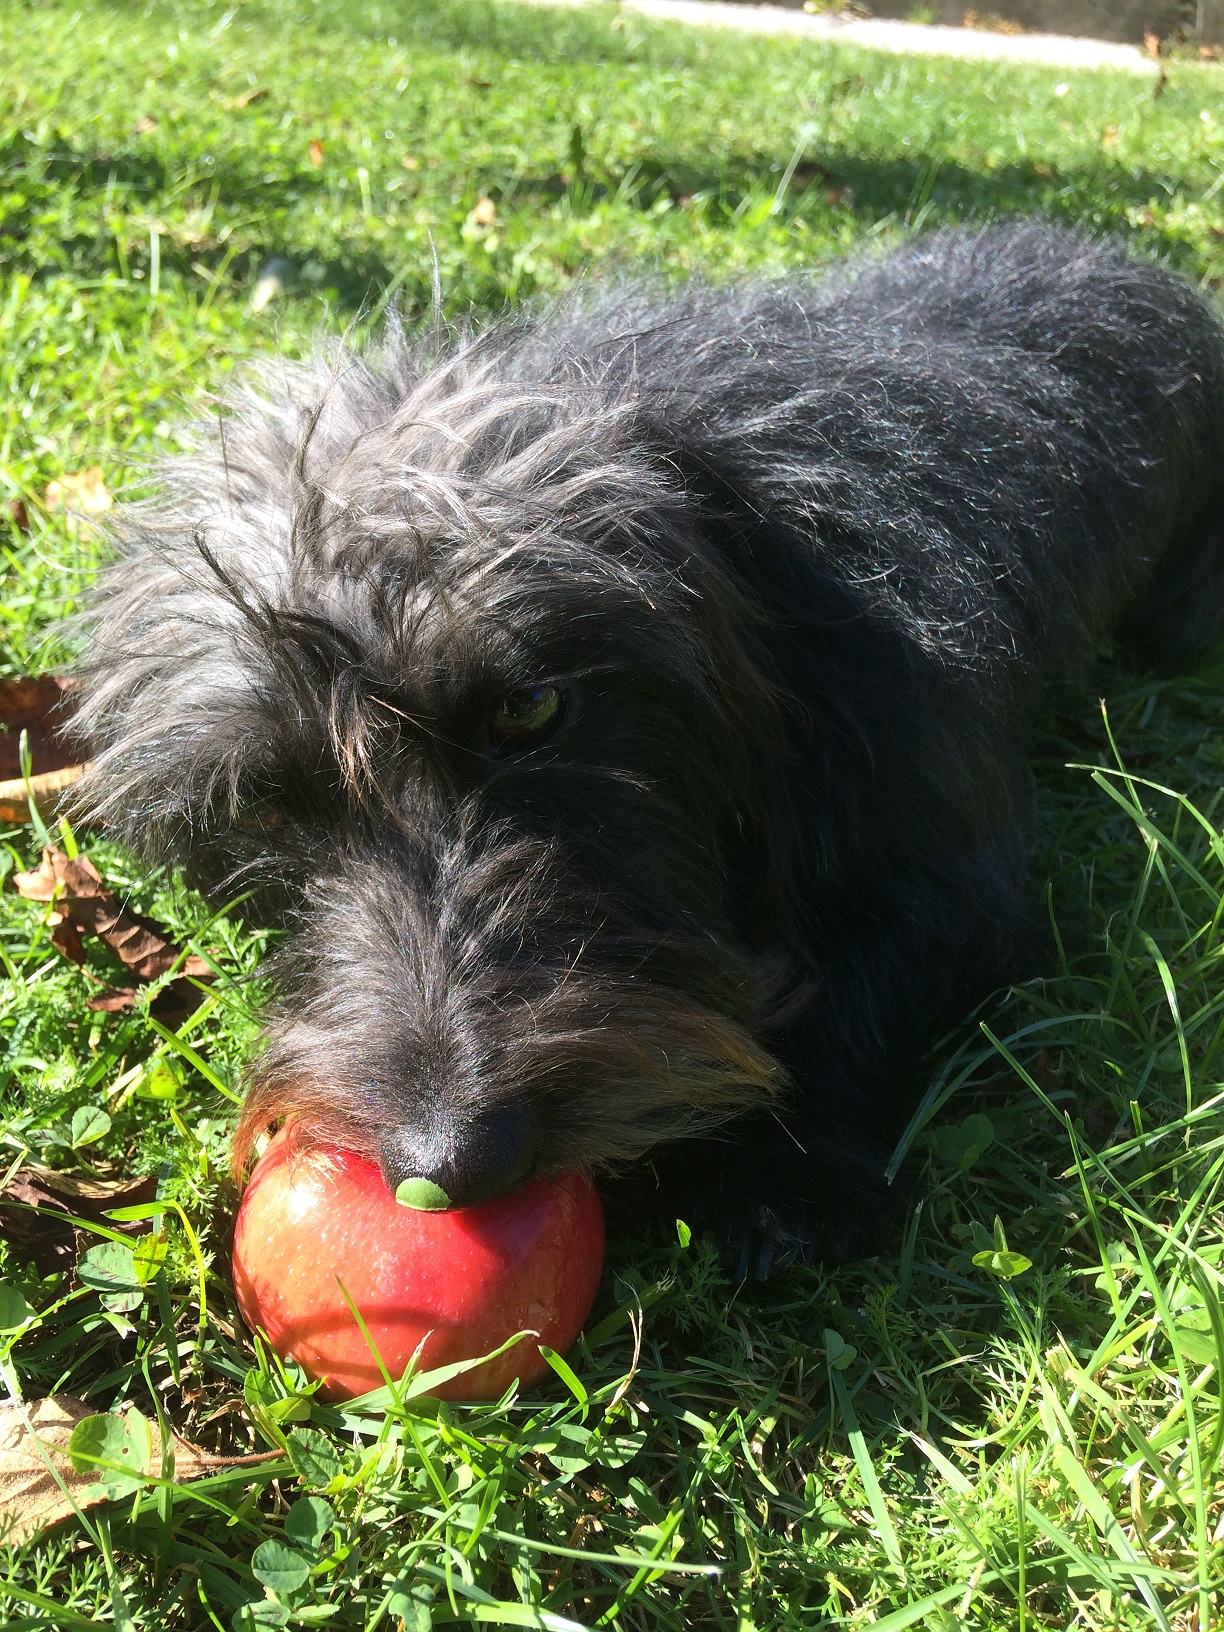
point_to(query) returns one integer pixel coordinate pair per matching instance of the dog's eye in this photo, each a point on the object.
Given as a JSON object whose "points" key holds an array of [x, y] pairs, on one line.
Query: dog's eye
{"points": [[525, 716], [260, 816]]}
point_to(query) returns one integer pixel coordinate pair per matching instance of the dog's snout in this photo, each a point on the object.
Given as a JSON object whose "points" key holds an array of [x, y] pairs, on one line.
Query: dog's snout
{"points": [[468, 1162]]}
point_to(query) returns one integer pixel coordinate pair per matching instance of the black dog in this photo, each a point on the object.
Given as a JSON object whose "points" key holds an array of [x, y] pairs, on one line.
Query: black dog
{"points": [[628, 707]]}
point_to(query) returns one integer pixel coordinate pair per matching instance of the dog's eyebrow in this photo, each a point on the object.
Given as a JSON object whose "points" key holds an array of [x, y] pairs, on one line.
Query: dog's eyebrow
{"points": [[381, 702], [417, 723], [423, 726]]}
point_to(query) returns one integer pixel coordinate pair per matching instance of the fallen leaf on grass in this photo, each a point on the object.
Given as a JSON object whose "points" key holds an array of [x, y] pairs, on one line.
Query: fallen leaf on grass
{"points": [[114, 1000], [31, 720], [30, 1497], [316, 153], [145, 124], [45, 1472], [247, 99], [79, 496], [76, 888], [85, 906], [33, 703], [19, 515], [172, 1004], [37, 1204]]}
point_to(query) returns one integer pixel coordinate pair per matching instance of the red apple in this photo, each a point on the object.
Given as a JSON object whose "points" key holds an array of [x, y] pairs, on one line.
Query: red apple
{"points": [[462, 1280]]}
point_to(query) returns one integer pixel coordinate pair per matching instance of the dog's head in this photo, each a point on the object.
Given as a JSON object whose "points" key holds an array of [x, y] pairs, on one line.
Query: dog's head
{"points": [[436, 656]]}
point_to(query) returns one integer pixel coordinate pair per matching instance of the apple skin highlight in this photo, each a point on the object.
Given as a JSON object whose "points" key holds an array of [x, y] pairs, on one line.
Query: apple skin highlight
{"points": [[462, 1280]]}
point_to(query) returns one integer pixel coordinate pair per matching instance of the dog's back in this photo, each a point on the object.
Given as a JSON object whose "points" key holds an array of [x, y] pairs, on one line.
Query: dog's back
{"points": [[997, 440]]}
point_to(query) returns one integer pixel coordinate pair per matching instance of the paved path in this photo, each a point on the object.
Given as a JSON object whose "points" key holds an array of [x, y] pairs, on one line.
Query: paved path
{"points": [[1054, 50]]}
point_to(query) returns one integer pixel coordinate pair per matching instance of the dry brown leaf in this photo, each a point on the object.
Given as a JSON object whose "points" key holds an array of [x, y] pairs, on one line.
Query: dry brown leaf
{"points": [[19, 515], [37, 1203], [80, 495], [485, 212], [171, 1005], [33, 703], [83, 900], [67, 940], [316, 153], [92, 1192], [84, 906], [248, 98], [113, 999], [32, 1498], [145, 124]]}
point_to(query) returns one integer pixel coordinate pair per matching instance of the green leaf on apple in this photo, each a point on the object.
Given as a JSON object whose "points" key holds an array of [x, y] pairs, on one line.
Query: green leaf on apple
{"points": [[422, 1194]]}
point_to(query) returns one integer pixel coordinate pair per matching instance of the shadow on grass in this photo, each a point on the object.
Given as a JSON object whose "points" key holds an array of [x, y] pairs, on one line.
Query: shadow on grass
{"points": [[60, 211]]}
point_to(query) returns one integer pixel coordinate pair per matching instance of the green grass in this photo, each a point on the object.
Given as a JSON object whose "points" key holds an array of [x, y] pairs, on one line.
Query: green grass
{"points": [[913, 1441]]}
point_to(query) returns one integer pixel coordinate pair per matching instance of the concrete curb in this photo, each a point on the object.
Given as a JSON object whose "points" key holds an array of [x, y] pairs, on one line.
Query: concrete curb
{"points": [[911, 39]]}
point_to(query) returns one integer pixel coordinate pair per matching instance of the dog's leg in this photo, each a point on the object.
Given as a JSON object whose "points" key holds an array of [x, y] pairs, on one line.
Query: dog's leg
{"points": [[806, 1179], [1182, 613]]}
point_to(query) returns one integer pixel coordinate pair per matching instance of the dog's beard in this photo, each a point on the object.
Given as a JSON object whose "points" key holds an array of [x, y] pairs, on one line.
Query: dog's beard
{"points": [[430, 992]]}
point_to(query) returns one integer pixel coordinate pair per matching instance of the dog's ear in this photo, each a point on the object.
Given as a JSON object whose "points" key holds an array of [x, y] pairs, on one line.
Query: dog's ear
{"points": [[177, 693]]}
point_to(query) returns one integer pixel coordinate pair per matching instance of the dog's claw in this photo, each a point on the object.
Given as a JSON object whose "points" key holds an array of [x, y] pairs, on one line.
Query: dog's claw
{"points": [[764, 1239], [764, 1263]]}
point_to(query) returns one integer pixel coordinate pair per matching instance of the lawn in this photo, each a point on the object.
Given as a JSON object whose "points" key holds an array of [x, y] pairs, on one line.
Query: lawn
{"points": [[1014, 1422]]}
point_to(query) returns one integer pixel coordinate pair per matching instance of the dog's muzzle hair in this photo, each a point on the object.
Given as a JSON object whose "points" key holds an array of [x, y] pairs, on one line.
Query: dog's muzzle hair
{"points": [[625, 708]]}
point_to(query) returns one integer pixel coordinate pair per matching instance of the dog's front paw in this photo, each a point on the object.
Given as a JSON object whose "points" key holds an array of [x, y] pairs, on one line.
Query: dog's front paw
{"points": [[759, 1238], [775, 1196]]}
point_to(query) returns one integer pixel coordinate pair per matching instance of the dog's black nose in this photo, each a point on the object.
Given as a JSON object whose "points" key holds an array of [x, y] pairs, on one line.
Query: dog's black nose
{"points": [[461, 1164]]}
